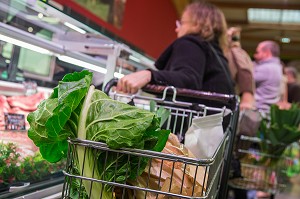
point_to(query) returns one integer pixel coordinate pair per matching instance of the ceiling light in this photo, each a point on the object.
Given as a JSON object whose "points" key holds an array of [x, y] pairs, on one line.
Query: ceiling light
{"points": [[75, 28], [258, 15], [25, 45], [285, 40]]}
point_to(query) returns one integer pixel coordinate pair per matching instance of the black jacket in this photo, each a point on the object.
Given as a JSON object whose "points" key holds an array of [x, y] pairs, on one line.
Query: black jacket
{"points": [[293, 93], [190, 63]]}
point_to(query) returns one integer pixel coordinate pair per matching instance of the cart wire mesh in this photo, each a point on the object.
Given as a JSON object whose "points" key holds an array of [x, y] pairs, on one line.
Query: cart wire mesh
{"points": [[258, 173], [166, 175]]}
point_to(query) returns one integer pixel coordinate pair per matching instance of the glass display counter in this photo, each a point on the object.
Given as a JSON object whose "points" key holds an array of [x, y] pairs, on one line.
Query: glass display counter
{"points": [[39, 45]]}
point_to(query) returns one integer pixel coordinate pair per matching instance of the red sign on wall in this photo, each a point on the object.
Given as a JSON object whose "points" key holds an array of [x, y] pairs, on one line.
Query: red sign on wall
{"points": [[148, 25]]}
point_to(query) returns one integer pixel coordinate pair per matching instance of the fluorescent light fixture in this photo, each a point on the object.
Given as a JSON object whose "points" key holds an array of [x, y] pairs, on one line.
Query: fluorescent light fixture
{"points": [[75, 27], [134, 58], [274, 16], [25, 45], [285, 40], [86, 65], [291, 16], [82, 64]]}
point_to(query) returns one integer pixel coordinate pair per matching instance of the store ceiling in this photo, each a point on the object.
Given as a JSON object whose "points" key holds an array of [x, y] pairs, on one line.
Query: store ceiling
{"points": [[252, 33]]}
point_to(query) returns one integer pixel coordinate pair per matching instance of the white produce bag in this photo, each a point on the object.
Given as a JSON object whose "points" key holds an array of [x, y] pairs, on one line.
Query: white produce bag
{"points": [[205, 135]]}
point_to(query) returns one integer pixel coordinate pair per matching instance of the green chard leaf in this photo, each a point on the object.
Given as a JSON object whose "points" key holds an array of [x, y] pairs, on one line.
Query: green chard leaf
{"points": [[162, 113], [77, 110], [115, 123], [48, 128]]}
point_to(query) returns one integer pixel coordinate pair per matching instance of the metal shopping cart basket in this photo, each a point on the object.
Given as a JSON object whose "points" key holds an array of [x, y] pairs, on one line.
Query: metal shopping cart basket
{"points": [[211, 182], [258, 170]]}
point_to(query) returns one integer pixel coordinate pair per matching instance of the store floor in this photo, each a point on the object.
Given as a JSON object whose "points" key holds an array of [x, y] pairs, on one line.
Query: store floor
{"points": [[292, 192], [286, 196]]}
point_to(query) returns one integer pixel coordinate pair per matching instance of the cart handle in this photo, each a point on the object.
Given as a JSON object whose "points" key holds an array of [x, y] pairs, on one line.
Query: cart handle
{"points": [[182, 92]]}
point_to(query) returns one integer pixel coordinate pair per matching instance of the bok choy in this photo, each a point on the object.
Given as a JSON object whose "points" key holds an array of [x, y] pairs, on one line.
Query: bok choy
{"points": [[76, 109]]}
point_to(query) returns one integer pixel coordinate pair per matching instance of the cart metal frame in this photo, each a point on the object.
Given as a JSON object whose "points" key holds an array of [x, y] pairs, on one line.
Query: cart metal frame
{"points": [[213, 182], [258, 175]]}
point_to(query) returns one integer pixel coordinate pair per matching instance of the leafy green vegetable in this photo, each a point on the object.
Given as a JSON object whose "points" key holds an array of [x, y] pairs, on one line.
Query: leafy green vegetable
{"points": [[48, 127], [77, 110], [161, 112], [281, 131]]}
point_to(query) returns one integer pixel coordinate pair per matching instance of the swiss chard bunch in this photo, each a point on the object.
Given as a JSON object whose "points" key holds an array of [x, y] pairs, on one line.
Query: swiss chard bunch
{"points": [[280, 131], [76, 109]]}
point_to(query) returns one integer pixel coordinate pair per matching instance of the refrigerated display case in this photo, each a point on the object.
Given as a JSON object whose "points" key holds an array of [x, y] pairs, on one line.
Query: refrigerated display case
{"points": [[39, 44]]}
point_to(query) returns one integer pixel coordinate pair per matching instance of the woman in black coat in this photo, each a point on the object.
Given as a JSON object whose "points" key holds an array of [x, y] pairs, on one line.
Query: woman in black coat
{"points": [[189, 61]]}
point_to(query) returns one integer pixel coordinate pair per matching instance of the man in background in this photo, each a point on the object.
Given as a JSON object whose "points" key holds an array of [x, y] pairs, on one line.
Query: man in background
{"points": [[267, 75], [293, 85]]}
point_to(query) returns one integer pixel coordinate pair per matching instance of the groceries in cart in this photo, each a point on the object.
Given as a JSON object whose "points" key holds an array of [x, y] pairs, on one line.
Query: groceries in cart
{"points": [[116, 150], [170, 175], [205, 135], [282, 130], [293, 152], [268, 160]]}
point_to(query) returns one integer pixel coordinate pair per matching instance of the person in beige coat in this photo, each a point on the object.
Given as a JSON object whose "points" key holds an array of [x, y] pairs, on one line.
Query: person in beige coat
{"points": [[241, 68]]}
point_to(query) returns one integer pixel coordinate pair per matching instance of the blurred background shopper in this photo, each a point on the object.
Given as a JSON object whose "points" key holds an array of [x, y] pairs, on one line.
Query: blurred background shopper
{"points": [[267, 75], [293, 85], [241, 68]]}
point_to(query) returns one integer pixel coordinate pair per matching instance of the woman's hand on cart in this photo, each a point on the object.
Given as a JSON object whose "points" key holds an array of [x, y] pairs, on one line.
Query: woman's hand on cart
{"points": [[133, 82]]}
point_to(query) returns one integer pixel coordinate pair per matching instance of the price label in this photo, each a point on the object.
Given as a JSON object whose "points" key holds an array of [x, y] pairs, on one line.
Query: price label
{"points": [[14, 121]]}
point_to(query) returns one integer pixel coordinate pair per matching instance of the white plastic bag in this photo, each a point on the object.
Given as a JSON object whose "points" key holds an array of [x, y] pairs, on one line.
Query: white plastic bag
{"points": [[204, 135]]}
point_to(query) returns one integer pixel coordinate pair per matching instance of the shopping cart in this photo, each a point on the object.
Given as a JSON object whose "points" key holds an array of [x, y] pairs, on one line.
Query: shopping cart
{"points": [[211, 182], [260, 171]]}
